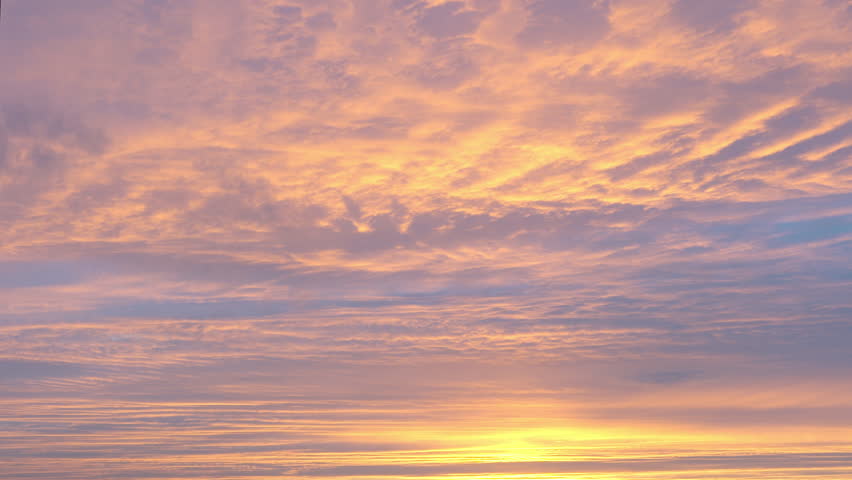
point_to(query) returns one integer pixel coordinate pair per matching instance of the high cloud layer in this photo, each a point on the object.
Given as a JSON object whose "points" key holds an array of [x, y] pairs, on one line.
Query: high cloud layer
{"points": [[374, 239]]}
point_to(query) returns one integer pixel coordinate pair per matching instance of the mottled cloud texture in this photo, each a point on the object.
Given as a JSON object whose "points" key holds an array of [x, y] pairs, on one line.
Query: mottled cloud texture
{"points": [[423, 239]]}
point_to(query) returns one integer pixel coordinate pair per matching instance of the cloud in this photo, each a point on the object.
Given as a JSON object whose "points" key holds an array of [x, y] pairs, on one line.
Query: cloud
{"points": [[709, 16], [33, 274], [16, 370], [439, 236], [287, 14], [448, 19], [745, 462], [554, 23]]}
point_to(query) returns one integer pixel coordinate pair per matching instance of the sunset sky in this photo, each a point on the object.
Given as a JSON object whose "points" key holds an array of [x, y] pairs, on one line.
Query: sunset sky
{"points": [[426, 239]]}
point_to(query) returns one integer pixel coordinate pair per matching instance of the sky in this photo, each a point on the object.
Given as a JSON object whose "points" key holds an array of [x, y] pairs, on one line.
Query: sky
{"points": [[425, 239]]}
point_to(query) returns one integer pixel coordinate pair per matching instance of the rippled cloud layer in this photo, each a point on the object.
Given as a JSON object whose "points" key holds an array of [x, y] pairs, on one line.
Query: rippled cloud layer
{"points": [[423, 239]]}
